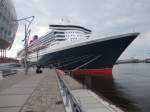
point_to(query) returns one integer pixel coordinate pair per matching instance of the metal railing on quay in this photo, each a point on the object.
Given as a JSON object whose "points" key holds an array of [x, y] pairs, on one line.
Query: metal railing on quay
{"points": [[75, 105]]}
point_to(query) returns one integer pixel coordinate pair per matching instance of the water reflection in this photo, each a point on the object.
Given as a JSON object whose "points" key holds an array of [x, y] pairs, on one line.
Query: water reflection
{"points": [[112, 91]]}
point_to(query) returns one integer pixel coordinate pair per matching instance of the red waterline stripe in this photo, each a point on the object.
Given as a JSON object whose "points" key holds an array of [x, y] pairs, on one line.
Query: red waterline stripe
{"points": [[92, 71]]}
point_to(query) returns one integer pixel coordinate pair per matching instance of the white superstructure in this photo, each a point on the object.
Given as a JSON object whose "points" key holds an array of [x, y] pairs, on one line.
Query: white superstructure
{"points": [[60, 36]]}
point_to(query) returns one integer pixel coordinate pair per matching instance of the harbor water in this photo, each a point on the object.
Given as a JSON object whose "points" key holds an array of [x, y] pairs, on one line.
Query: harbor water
{"points": [[128, 87], [133, 81]]}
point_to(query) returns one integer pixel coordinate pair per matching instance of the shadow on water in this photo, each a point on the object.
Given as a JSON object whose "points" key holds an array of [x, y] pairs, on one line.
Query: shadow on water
{"points": [[110, 90]]}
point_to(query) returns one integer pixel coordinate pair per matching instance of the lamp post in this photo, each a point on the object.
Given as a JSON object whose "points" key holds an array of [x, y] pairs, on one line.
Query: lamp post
{"points": [[37, 51], [29, 20]]}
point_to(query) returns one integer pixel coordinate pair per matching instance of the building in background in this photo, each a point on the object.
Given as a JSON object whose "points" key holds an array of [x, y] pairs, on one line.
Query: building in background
{"points": [[8, 27]]}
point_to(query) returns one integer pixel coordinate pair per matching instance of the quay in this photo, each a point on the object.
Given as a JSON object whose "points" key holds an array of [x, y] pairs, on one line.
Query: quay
{"points": [[31, 93], [50, 91]]}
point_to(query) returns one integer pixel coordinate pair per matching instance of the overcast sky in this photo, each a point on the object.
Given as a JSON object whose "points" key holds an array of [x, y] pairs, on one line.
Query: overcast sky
{"points": [[103, 17]]}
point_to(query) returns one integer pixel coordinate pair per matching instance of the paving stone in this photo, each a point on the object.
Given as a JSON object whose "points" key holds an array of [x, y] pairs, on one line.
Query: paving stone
{"points": [[17, 91], [12, 100], [10, 109]]}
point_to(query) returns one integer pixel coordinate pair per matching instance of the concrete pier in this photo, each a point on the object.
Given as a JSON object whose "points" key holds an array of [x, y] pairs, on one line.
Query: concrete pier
{"points": [[31, 93], [82, 99]]}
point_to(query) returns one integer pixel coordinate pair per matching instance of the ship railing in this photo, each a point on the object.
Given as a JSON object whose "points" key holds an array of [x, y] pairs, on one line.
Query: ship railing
{"points": [[69, 97]]}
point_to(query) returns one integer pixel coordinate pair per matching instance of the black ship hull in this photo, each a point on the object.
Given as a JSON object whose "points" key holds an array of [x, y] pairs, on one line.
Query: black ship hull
{"points": [[94, 57]]}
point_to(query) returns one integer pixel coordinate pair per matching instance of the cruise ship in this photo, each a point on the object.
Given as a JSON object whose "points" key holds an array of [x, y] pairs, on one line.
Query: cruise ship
{"points": [[8, 26], [69, 47]]}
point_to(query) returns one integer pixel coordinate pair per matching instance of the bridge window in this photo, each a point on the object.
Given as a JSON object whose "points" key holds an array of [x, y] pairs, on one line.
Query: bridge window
{"points": [[9, 33], [2, 28], [5, 32], [0, 15], [3, 18]]}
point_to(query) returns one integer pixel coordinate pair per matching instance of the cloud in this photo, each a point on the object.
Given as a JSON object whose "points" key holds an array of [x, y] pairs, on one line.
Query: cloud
{"points": [[140, 47], [103, 17]]}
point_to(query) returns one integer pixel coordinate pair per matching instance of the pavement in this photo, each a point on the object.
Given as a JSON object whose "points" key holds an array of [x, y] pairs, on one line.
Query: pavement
{"points": [[31, 93]]}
